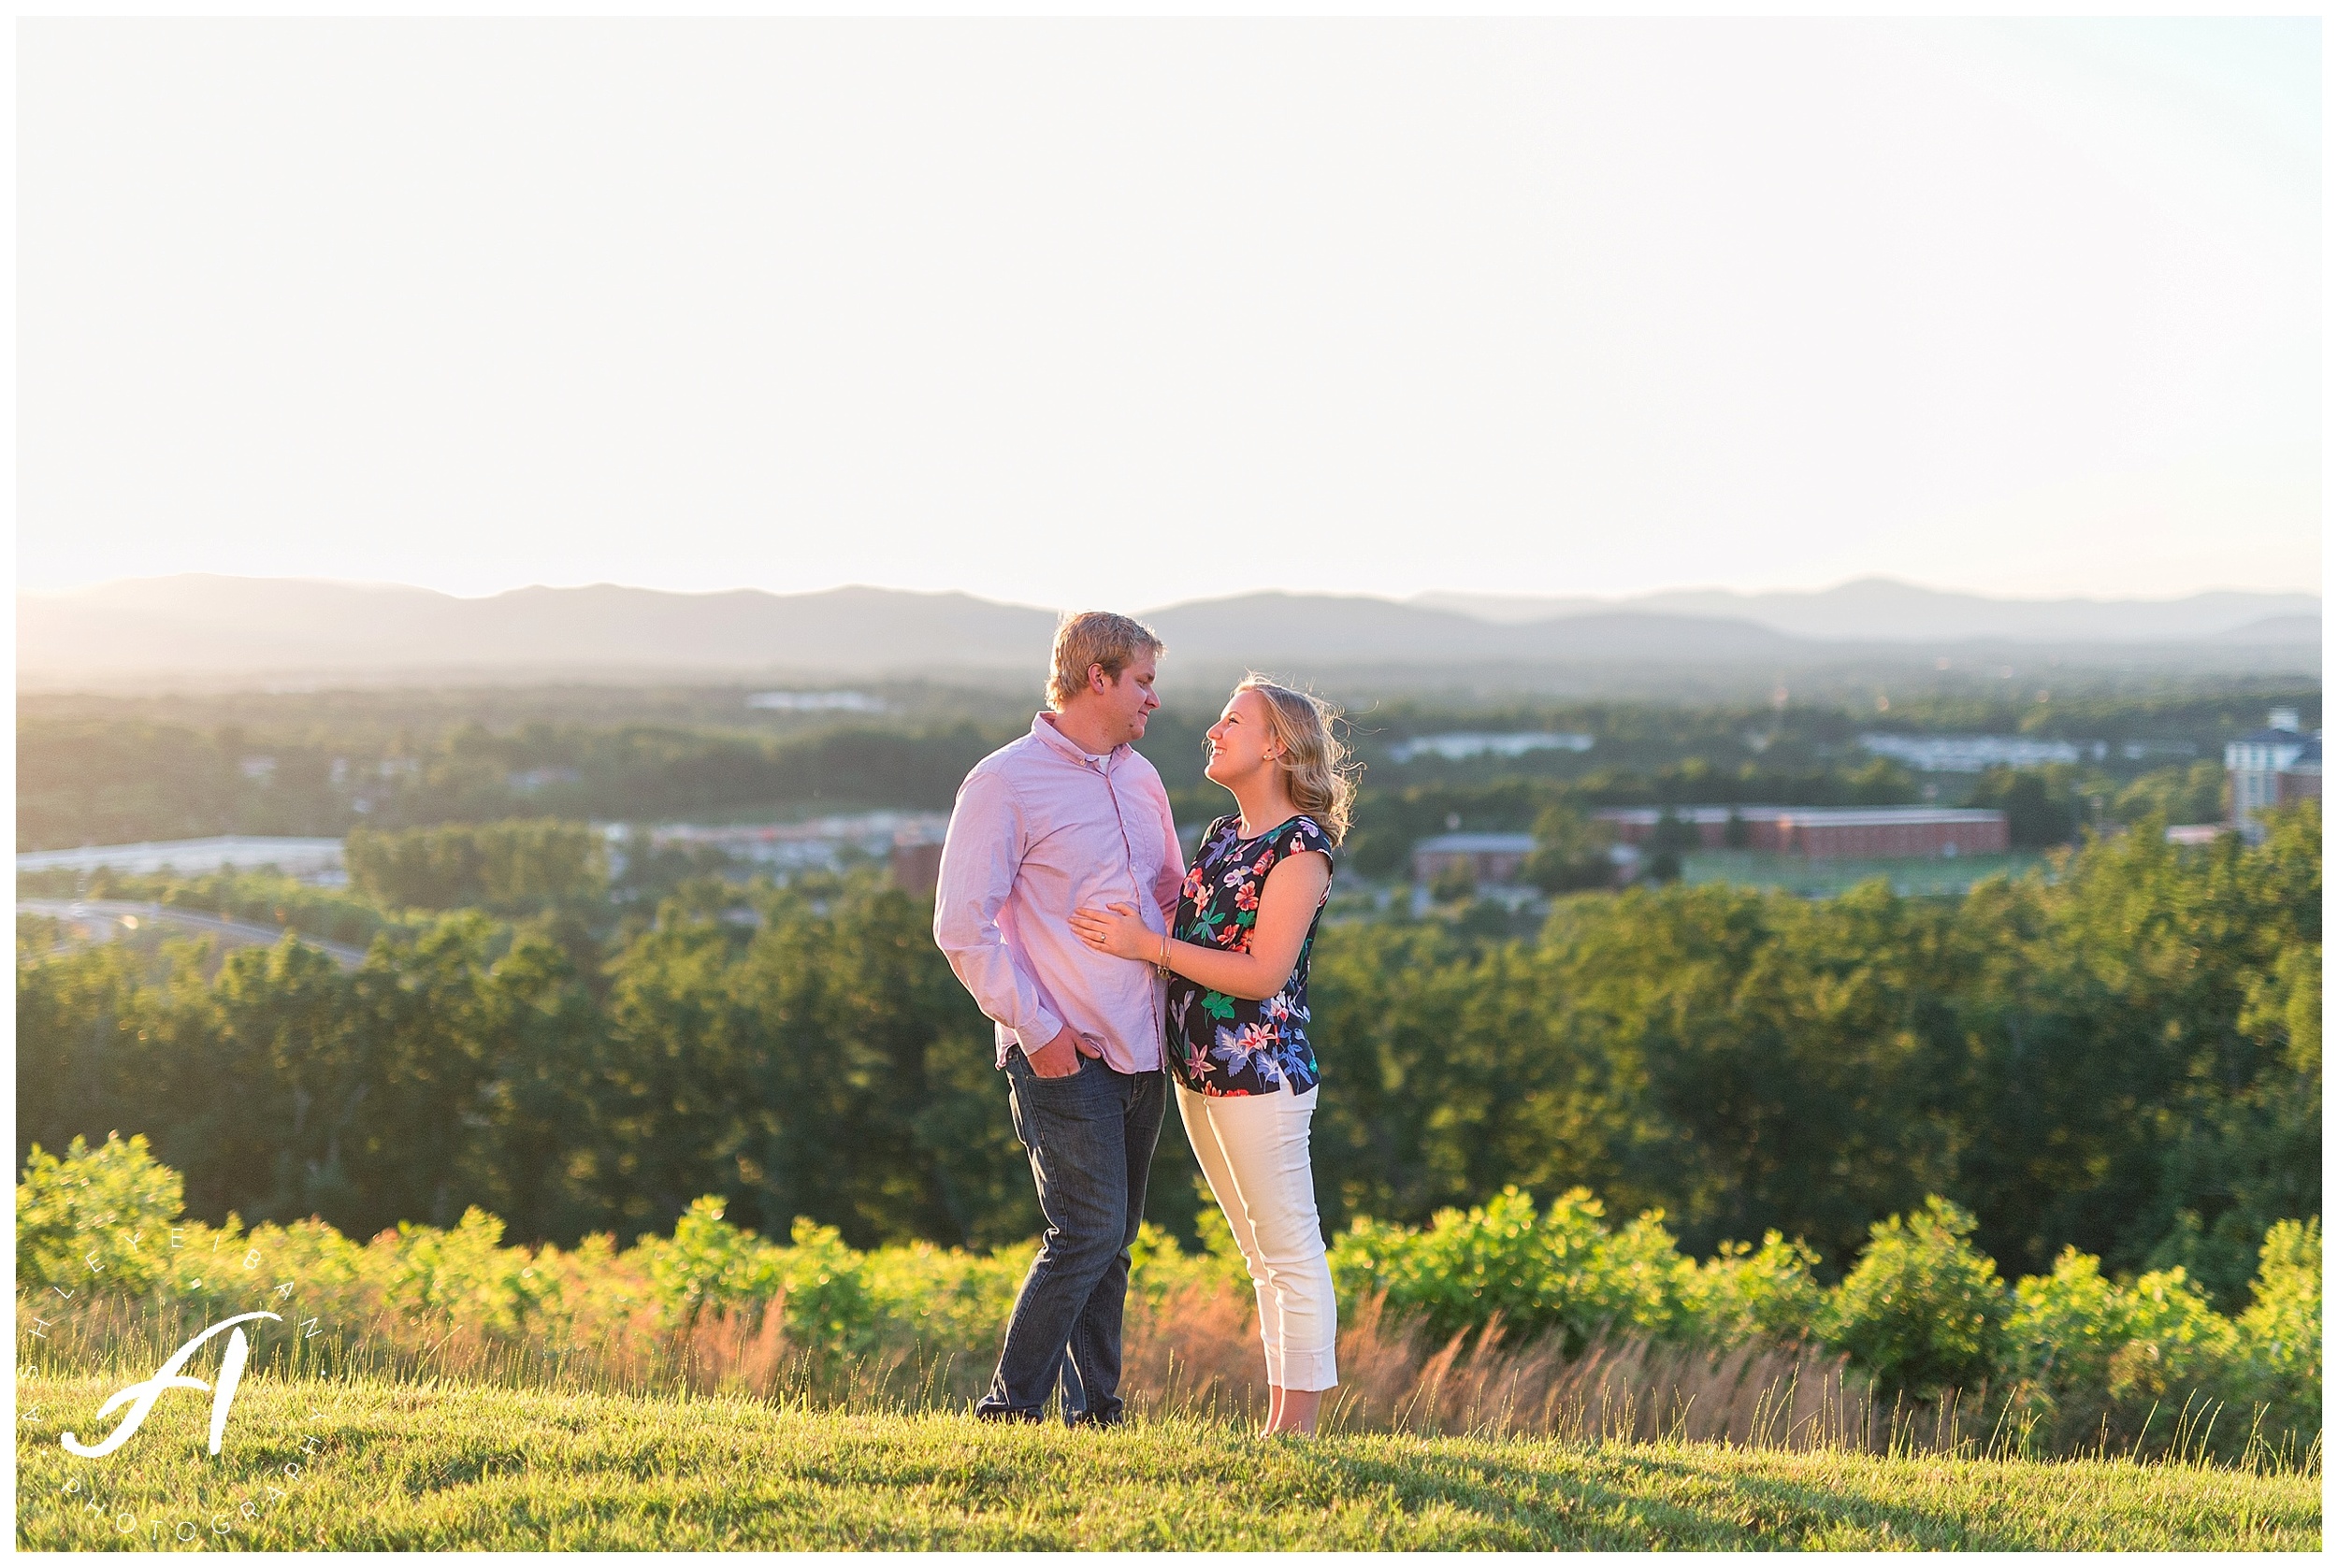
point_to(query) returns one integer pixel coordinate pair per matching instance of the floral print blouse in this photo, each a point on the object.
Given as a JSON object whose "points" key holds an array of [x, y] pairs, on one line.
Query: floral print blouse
{"points": [[1222, 1044]]}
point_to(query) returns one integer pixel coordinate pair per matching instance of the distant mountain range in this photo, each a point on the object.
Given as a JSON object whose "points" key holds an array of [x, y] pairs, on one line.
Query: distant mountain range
{"points": [[1879, 610], [206, 627]]}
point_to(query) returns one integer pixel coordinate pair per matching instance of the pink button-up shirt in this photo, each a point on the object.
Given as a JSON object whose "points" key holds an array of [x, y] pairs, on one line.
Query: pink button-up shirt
{"points": [[1042, 828]]}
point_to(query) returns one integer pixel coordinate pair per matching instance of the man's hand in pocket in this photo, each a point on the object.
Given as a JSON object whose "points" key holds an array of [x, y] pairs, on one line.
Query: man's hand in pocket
{"points": [[1060, 1058]]}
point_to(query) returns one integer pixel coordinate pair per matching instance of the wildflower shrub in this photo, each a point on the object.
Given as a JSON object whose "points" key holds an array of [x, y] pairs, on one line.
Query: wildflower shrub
{"points": [[1563, 1270], [2098, 1358], [1508, 1317], [1923, 1310], [2282, 1327]]}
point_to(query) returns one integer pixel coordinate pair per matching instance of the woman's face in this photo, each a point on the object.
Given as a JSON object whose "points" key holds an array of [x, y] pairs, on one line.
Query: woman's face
{"points": [[1241, 742]]}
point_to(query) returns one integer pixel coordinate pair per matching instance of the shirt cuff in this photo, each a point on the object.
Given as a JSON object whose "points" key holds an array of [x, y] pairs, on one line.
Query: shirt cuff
{"points": [[1043, 1030]]}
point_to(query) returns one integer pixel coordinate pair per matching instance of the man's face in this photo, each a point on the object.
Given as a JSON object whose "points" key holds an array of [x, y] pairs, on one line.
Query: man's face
{"points": [[1128, 701]]}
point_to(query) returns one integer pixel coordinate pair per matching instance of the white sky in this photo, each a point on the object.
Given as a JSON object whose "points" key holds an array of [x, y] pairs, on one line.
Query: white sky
{"points": [[1126, 311]]}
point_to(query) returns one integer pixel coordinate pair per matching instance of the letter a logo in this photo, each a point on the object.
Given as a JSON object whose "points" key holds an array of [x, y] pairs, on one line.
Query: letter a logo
{"points": [[140, 1397]]}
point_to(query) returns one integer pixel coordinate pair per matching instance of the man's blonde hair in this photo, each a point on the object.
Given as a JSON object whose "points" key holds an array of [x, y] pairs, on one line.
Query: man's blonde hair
{"points": [[1095, 637], [1315, 764]]}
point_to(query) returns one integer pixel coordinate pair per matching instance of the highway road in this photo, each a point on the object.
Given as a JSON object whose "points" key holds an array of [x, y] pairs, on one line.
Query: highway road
{"points": [[106, 919]]}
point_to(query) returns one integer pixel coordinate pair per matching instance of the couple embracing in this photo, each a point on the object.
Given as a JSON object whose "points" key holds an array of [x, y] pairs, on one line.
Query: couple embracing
{"points": [[1113, 971]]}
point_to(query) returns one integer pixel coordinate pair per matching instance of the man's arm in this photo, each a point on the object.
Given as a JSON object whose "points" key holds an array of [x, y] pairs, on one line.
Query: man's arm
{"points": [[980, 854], [1171, 882]]}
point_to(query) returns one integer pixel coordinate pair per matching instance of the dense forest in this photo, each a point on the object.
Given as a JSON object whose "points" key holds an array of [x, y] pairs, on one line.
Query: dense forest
{"points": [[2123, 1056]]}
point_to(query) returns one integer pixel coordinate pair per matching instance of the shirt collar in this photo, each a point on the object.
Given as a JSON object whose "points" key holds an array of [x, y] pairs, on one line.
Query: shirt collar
{"points": [[1043, 725]]}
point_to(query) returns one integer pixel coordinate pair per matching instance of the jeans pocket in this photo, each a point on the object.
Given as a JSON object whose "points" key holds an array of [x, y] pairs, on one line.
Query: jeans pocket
{"points": [[1018, 1067], [1079, 1070]]}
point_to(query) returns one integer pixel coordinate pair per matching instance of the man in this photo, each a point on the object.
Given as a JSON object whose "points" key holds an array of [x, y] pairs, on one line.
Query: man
{"points": [[1065, 817]]}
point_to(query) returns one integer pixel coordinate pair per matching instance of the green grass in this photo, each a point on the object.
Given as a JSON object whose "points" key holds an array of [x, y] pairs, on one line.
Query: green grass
{"points": [[1797, 873], [435, 1466]]}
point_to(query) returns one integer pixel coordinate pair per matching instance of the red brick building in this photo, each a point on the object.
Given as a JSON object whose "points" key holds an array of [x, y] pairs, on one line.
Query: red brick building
{"points": [[1492, 857], [2303, 779], [1830, 832], [918, 868]]}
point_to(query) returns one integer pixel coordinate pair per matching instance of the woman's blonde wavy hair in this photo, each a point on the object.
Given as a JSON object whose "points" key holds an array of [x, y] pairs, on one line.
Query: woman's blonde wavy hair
{"points": [[1315, 765]]}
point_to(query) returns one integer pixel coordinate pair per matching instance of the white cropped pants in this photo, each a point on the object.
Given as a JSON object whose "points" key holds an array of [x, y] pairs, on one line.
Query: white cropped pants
{"points": [[1253, 1149]]}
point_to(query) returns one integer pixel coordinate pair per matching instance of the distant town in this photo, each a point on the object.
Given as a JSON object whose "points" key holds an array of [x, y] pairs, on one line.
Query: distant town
{"points": [[2264, 769]]}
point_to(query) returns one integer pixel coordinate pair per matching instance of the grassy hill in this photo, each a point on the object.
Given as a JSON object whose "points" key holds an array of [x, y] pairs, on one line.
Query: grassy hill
{"points": [[407, 1467]]}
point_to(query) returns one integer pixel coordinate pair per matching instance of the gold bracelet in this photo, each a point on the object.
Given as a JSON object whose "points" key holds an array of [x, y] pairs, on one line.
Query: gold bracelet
{"points": [[1161, 965]]}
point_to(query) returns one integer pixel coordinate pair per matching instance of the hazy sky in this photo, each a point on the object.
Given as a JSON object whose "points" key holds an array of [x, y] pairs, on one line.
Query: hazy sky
{"points": [[1128, 312]]}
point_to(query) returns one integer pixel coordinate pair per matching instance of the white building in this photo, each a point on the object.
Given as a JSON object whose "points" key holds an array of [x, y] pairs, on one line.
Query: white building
{"points": [[1978, 753], [2270, 767]]}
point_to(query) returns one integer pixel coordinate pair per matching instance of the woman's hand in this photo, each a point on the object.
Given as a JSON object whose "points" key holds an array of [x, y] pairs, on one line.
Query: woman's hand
{"points": [[1117, 930]]}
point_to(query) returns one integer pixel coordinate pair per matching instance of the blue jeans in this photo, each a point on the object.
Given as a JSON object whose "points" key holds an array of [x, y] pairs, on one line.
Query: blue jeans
{"points": [[1090, 1135]]}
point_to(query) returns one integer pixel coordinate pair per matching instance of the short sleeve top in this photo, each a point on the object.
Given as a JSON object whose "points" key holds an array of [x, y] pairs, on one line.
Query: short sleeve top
{"points": [[1220, 1044]]}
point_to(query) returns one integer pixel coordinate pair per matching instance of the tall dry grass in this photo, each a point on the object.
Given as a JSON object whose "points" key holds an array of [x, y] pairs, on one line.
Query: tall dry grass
{"points": [[1192, 1351], [1199, 1354]]}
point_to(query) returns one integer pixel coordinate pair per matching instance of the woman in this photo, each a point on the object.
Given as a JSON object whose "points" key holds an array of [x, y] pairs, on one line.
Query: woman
{"points": [[1236, 961]]}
